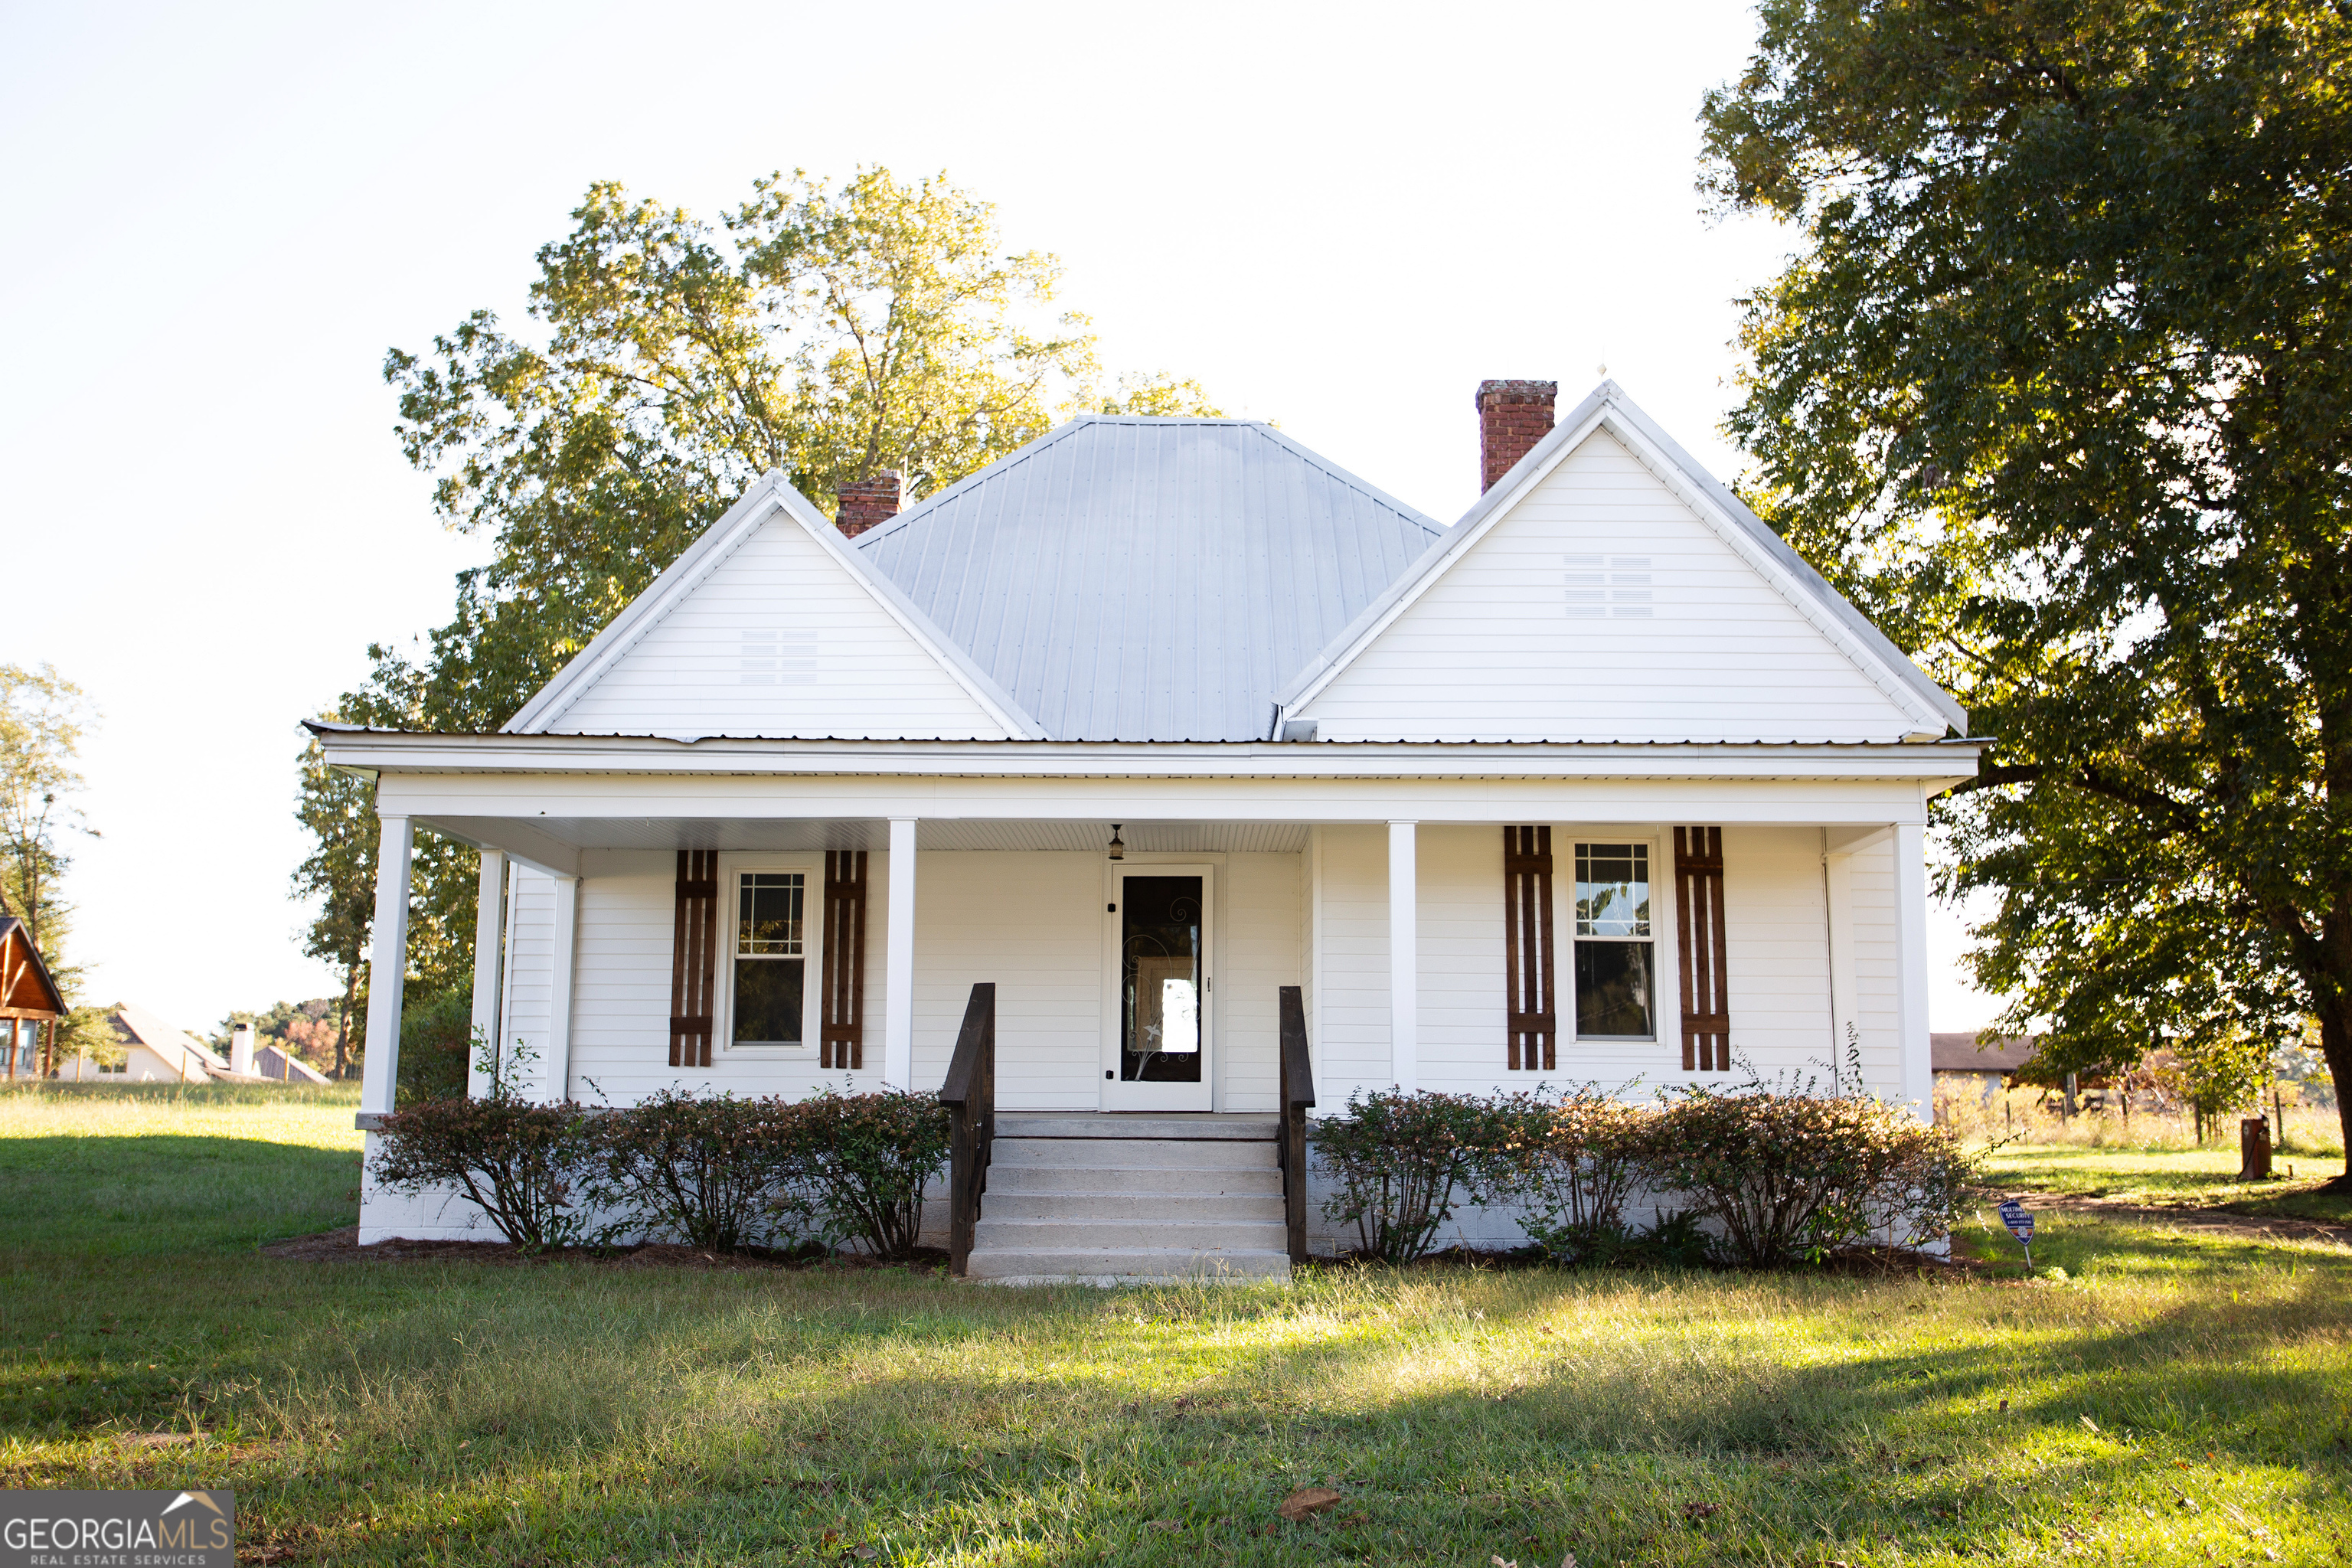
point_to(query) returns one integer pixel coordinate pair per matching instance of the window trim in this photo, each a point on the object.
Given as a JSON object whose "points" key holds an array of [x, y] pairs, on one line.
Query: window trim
{"points": [[733, 868], [1660, 940]]}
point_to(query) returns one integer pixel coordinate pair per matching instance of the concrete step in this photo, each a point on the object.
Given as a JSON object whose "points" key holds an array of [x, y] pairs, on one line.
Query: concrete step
{"points": [[1011, 1176], [1077, 1235], [1134, 1153], [1100, 1208], [1137, 1124], [1114, 1266]]}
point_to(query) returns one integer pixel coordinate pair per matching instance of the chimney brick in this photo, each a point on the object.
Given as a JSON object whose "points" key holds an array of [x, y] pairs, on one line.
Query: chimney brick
{"points": [[1513, 415], [869, 501]]}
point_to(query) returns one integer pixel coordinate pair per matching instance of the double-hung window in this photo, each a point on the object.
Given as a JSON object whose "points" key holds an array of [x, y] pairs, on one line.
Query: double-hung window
{"points": [[771, 959], [1616, 996]]}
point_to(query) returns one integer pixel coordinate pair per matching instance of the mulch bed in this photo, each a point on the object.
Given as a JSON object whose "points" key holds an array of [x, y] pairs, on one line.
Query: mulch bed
{"points": [[343, 1246]]}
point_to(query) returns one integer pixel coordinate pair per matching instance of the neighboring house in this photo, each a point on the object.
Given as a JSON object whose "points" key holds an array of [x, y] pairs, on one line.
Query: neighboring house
{"points": [[155, 1051], [30, 1003], [1152, 719], [1963, 1067], [276, 1064]]}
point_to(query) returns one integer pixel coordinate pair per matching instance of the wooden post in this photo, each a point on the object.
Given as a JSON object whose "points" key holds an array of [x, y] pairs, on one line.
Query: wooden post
{"points": [[379, 1067], [898, 960], [2254, 1149]]}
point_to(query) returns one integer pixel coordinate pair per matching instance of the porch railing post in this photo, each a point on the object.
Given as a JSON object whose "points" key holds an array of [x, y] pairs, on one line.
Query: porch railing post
{"points": [[1297, 1094], [969, 1094]]}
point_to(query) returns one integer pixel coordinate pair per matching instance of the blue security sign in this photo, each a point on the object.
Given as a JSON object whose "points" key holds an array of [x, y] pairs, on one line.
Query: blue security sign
{"points": [[2014, 1215]]}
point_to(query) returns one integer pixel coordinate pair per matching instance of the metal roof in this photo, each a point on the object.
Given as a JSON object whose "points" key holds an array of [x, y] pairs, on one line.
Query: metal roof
{"points": [[1126, 579]]}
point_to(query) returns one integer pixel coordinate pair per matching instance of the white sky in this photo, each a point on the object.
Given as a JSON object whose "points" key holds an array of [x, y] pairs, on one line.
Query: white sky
{"points": [[1340, 217]]}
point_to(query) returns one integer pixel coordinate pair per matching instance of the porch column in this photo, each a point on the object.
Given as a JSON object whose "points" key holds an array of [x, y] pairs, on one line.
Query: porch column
{"points": [[1404, 960], [490, 924], [387, 969], [1916, 1087], [899, 991]]}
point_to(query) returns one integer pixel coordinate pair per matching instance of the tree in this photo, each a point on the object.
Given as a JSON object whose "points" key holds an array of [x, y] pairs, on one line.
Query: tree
{"points": [[830, 331], [43, 717], [2056, 389]]}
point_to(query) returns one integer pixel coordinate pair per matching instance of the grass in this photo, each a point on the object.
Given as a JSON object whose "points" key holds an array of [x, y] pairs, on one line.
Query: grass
{"points": [[2176, 1399]]}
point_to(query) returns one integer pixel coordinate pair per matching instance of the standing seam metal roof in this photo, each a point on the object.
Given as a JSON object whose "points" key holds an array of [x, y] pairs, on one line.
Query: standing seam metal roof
{"points": [[1130, 579]]}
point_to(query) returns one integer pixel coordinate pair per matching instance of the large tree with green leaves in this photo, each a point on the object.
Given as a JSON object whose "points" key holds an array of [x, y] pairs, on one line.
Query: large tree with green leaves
{"points": [[828, 331], [2057, 388], [43, 717]]}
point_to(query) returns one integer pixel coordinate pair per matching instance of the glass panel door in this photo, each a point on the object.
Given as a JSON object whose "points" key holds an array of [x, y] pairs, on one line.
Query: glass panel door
{"points": [[1162, 990], [1160, 1003]]}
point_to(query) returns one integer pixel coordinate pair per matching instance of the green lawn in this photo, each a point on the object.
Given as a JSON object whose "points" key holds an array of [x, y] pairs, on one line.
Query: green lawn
{"points": [[2175, 1400], [2172, 1178]]}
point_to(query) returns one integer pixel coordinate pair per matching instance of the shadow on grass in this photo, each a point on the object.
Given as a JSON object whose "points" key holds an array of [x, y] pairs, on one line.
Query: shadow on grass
{"points": [[165, 1194]]}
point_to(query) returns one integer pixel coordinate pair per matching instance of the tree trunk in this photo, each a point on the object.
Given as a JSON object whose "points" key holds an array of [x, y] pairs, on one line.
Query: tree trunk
{"points": [[2336, 1045], [344, 1022]]}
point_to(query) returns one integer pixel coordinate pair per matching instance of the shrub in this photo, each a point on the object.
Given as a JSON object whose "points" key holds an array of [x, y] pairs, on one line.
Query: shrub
{"points": [[524, 1165], [704, 1168], [859, 1163], [1795, 1176], [1398, 1161], [1570, 1167]]}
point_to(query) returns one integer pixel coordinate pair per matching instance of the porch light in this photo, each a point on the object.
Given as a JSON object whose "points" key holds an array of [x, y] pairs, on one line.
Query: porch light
{"points": [[1118, 846]]}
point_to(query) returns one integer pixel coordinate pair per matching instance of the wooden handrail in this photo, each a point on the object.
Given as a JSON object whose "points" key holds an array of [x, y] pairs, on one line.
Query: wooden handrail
{"points": [[970, 1095], [1297, 1094]]}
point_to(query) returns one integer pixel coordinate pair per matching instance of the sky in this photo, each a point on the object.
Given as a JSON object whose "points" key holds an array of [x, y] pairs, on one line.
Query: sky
{"points": [[1340, 217]]}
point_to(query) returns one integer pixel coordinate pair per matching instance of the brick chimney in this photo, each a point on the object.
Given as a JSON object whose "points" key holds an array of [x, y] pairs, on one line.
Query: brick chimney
{"points": [[1513, 415], [878, 499]]}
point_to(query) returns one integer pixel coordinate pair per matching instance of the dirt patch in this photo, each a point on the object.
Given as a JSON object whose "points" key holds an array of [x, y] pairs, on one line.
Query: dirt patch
{"points": [[343, 1246], [2188, 1217]]}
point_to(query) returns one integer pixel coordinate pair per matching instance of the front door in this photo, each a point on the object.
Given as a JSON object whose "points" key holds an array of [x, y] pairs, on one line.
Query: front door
{"points": [[1157, 1058]]}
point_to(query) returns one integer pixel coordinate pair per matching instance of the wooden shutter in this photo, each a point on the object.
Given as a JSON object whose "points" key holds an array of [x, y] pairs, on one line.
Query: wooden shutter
{"points": [[842, 1034], [1532, 1007], [694, 958], [1698, 923]]}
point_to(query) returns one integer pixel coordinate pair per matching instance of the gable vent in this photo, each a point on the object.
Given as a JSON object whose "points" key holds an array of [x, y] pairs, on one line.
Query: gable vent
{"points": [[777, 659], [1613, 586]]}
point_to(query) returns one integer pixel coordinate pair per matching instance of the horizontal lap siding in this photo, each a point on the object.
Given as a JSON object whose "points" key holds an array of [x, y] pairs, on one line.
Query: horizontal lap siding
{"points": [[1261, 956], [1877, 988], [1351, 1042], [1459, 876], [823, 660], [1490, 651], [529, 995], [1776, 932], [621, 990], [1033, 923]]}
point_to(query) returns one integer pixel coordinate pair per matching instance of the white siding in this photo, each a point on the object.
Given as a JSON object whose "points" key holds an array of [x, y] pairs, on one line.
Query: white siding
{"points": [[1491, 651], [779, 639], [531, 979], [1877, 996], [1261, 954], [1032, 922], [620, 1027]]}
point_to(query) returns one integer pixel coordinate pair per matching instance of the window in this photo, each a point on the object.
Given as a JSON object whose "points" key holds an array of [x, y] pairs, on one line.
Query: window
{"points": [[771, 959], [1614, 992]]}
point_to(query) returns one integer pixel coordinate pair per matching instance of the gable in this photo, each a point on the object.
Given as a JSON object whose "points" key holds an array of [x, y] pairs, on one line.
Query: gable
{"points": [[25, 983], [1596, 605], [767, 628]]}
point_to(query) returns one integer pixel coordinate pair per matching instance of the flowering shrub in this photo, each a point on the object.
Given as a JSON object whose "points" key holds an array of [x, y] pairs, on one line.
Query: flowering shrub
{"points": [[859, 1163], [524, 1165], [1398, 1161], [708, 1169], [1570, 1165], [1791, 1176]]}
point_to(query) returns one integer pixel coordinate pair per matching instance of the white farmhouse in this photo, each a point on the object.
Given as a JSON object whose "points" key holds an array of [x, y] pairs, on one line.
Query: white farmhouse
{"points": [[1151, 720]]}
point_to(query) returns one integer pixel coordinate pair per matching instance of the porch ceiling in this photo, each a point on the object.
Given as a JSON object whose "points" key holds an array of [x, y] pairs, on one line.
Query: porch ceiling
{"points": [[530, 839]]}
